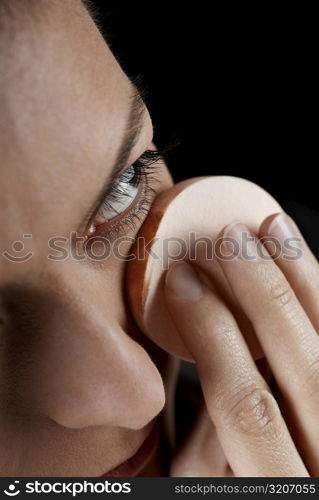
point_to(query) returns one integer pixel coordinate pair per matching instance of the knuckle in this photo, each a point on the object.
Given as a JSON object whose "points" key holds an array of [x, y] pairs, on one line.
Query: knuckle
{"points": [[255, 413]]}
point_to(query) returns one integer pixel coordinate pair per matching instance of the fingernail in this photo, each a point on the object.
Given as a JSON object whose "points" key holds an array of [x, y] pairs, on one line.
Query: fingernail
{"points": [[183, 281], [282, 227], [287, 236], [239, 242]]}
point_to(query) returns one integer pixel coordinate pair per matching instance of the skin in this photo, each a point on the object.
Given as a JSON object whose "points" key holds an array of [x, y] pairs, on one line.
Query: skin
{"points": [[241, 430], [70, 402], [79, 385]]}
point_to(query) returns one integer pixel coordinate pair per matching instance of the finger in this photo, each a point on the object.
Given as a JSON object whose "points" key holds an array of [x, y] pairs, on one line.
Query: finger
{"points": [[286, 334], [251, 430], [201, 454], [282, 237]]}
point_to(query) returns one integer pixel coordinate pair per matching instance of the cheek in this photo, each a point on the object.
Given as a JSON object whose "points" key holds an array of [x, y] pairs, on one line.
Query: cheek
{"points": [[69, 357]]}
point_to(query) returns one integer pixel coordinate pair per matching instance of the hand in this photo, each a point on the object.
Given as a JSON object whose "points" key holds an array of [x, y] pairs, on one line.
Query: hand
{"points": [[242, 431]]}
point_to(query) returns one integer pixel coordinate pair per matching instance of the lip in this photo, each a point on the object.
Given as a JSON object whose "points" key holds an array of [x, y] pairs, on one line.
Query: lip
{"points": [[134, 464]]}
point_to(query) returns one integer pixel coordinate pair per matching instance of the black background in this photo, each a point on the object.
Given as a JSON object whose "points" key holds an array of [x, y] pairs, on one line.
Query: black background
{"points": [[235, 84]]}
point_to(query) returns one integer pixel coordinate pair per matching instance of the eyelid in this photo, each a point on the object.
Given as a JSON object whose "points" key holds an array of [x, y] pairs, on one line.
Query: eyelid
{"points": [[104, 195], [132, 214], [145, 179], [146, 199], [143, 167], [141, 137], [145, 142], [122, 215]]}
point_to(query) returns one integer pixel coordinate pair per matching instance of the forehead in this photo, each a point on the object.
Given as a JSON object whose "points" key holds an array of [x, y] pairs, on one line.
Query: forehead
{"points": [[64, 104]]}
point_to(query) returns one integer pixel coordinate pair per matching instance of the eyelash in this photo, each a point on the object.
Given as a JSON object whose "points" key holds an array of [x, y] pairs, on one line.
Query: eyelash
{"points": [[144, 175]]}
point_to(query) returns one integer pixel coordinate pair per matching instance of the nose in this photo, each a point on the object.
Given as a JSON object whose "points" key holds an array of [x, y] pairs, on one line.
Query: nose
{"points": [[77, 365]]}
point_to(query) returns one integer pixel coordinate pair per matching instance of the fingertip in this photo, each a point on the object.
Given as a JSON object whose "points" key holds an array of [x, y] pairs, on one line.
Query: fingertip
{"points": [[224, 231], [264, 229], [183, 281]]}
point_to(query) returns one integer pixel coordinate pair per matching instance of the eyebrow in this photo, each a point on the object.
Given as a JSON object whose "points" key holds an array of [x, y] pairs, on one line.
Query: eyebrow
{"points": [[132, 132]]}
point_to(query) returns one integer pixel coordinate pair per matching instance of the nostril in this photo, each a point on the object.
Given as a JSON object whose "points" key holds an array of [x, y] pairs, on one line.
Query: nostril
{"points": [[78, 413], [70, 416]]}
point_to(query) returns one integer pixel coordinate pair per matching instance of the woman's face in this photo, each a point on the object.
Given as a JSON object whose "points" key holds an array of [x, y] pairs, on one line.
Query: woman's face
{"points": [[78, 390]]}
